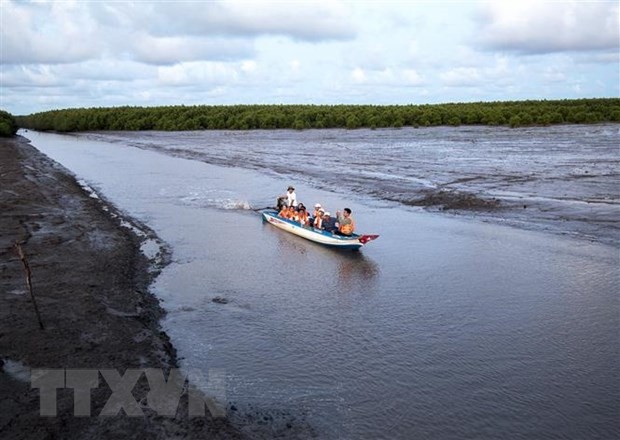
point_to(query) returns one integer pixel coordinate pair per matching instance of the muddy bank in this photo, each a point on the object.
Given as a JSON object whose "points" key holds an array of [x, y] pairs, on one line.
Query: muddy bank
{"points": [[90, 281], [451, 200]]}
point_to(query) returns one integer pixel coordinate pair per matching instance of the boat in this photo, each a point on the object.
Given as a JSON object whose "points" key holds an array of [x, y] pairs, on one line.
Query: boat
{"points": [[354, 241]]}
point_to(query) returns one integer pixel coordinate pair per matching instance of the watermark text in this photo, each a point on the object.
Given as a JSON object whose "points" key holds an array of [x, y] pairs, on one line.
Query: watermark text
{"points": [[163, 397]]}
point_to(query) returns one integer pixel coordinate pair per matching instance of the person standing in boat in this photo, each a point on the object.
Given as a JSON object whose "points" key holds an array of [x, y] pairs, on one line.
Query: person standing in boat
{"points": [[346, 224], [288, 199], [291, 197]]}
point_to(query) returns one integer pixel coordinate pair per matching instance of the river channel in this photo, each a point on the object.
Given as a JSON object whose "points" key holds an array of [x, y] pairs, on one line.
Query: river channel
{"points": [[447, 327]]}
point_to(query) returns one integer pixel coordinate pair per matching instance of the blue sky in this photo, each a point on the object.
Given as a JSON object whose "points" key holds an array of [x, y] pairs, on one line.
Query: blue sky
{"points": [[63, 54]]}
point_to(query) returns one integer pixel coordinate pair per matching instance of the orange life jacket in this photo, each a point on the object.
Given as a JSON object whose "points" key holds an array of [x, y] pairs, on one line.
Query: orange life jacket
{"points": [[318, 222], [347, 229], [302, 217]]}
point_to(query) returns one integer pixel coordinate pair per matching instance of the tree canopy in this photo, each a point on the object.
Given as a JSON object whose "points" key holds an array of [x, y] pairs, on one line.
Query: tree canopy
{"points": [[8, 125], [246, 117]]}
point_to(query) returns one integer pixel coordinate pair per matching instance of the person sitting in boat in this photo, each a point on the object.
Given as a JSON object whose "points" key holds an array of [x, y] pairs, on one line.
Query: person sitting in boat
{"points": [[346, 224], [302, 215], [329, 223], [318, 219], [292, 213], [316, 210], [283, 211], [288, 212]]}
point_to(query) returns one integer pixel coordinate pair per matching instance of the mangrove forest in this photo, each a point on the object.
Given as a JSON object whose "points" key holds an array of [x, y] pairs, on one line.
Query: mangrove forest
{"points": [[8, 124], [299, 117]]}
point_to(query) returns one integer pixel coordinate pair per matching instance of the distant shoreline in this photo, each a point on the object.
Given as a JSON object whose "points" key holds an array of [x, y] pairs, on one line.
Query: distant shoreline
{"points": [[301, 117]]}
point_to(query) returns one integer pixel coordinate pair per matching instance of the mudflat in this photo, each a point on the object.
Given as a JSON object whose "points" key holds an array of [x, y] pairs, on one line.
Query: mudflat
{"points": [[90, 281]]}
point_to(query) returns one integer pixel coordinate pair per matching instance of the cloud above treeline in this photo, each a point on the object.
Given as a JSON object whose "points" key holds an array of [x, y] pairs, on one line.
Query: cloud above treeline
{"points": [[159, 32], [546, 27], [59, 54]]}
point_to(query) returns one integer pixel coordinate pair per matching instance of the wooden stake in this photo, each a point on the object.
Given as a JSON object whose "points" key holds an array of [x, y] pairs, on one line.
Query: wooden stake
{"points": [[22, 257]]}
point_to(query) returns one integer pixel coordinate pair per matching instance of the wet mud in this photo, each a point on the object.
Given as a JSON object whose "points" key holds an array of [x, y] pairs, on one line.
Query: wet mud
{"points": [[451, 200], [91, 282]]}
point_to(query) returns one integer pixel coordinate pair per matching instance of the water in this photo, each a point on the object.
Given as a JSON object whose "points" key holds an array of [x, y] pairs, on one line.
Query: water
{"points": [[566, 177], [445, 327]]}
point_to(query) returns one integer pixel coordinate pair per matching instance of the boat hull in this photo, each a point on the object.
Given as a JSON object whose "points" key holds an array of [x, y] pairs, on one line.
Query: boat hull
{"points": [[353, 242]]}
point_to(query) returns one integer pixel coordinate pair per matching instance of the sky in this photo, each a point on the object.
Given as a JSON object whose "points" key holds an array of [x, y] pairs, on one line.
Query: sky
{"points": [[70, 54]]}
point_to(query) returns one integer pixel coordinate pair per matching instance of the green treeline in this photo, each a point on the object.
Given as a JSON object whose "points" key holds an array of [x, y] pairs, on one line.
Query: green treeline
{"points": [[8, 125], [246, 117]]}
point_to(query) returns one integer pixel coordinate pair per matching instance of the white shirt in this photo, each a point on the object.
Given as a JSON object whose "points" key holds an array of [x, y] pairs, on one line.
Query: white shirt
{"points": [[291, 198]]}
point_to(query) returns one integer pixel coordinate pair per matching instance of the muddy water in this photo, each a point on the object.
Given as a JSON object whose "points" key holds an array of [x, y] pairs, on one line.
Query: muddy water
{"points": [[562, 179], [445, 327]]}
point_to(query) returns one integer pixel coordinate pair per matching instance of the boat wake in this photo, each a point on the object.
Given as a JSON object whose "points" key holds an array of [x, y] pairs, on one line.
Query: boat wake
{"points": [[227, 203]]}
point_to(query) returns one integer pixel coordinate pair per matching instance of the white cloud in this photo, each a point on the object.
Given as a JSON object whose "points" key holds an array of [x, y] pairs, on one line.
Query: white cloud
{"points": [[57, 32], [249, 66], [553, 75], [170, 50], [412, 78], [294, 65], [358, 75], [461, 77], [31, 76], [198, 73], [530, 26], [159, 32], [312, 21], [60, 54], [387, 77]]}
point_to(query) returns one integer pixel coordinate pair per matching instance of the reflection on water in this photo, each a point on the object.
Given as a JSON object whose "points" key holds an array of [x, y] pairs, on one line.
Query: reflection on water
{"points": [[353, 268]]}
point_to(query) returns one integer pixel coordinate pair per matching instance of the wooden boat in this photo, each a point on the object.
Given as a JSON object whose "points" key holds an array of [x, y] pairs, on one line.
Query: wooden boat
{"points": [[355, 241]]}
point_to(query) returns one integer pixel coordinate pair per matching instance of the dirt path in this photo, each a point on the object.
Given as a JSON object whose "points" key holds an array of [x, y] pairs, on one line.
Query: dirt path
{"points": [[90, 281]]}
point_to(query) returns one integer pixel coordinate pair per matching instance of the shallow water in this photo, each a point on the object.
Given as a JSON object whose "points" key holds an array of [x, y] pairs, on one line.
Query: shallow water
{"points": [[564, 179], [445, 327]]}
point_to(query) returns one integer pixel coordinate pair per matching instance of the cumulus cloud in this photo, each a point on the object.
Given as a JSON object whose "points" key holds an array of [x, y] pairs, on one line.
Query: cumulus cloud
{"points": [[170, 50], [76, 53], [42, 75], [461, 77], [205, 73], [310, 21], [159, 32], [358, 75], [553, 75], [412, 78], [31, 76], [387, 77], [537, 27], [294, 65], [57, 32]]}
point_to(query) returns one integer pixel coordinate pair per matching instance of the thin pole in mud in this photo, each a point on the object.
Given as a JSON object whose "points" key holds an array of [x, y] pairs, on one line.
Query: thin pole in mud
{"points": [[22, 257]]}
